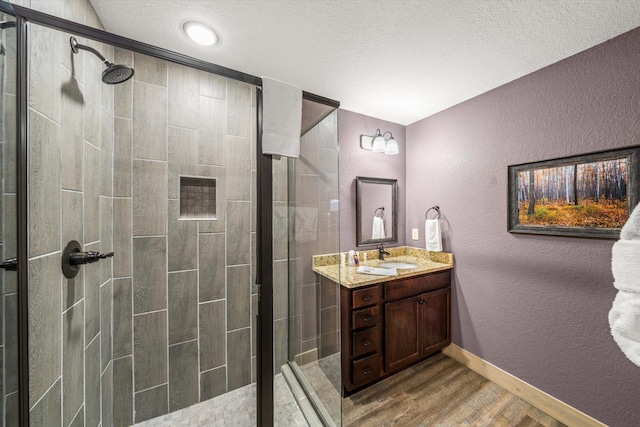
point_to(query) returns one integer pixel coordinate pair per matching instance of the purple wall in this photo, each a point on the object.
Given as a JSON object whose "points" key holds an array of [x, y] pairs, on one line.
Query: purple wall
{"points": [[355, 161], [535, 306]]}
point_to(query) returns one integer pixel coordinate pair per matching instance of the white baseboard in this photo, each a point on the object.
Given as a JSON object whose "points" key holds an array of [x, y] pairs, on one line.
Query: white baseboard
{"points": [[548, 404]]}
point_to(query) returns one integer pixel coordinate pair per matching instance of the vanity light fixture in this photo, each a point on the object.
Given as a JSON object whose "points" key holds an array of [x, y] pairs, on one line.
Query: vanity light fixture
{"points": [[380, 143], [391, 147], [200, 33]]}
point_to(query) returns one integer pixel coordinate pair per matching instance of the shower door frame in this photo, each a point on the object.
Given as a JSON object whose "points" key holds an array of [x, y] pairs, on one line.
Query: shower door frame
{"points": [[264, 244]]}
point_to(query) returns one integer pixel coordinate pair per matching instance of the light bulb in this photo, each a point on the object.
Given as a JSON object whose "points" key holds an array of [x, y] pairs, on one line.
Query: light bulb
{"points": [[378, 145], [392, 147], [200, 33]]}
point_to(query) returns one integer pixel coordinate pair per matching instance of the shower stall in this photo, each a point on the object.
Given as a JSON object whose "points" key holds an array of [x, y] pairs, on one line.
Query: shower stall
{"points": [[155, 263]]}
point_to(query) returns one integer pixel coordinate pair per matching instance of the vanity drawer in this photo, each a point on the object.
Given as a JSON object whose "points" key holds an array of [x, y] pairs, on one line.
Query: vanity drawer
{"points": [[366, 369], [418, 285], [366, 341], [366, 297], [365, 317]]}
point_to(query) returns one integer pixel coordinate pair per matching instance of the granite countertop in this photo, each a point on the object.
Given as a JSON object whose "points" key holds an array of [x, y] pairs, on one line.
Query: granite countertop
{"points": [[426, 262]]}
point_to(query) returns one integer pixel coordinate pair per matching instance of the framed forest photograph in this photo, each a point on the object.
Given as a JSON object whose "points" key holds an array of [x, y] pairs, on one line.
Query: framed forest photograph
{"points": [[590, 195]]}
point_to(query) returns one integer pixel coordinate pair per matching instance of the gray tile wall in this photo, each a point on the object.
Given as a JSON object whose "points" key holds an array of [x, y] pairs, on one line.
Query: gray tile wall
{"points": [[70, 131], [182, 311]]}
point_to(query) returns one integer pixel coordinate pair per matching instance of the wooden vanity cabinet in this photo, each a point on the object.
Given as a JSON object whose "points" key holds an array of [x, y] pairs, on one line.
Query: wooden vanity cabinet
{"points": [[361, 335], [416, 327], [436, 321], [389, 326], [401, 332]]}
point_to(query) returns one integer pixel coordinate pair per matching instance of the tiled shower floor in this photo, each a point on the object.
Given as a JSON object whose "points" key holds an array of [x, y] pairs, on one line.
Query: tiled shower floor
{"points": [[236, 408]]}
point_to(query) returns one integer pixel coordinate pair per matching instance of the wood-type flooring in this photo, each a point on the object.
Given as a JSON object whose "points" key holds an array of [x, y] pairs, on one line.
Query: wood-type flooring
{"points": [[440, 392]]}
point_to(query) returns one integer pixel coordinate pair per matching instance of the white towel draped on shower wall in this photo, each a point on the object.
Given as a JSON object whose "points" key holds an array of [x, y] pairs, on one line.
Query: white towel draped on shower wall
{"points": [[281, 118], [624, 317]]}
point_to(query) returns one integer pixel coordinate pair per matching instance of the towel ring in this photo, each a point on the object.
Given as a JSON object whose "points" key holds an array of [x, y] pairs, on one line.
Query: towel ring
{"points": [[436, 208], [381, 209]]}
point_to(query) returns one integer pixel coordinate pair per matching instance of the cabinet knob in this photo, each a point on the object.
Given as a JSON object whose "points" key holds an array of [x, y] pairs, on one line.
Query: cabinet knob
{"points": [[367, 319], [367, 371], [367, 343], [367, 298]]}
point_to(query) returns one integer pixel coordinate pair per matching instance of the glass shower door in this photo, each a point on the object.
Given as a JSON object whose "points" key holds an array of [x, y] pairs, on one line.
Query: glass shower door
{"points": [[8, 277], [307, 308]]}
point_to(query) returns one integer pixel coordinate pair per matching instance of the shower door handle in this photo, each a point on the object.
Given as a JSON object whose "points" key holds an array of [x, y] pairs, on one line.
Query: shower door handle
{"points": [[79, 258], [10, 264], [73, 258]]}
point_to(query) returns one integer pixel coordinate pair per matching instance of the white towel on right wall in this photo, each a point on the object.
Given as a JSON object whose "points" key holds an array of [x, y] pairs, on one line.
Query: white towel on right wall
{"points": [[624, 316], [432, 235]]}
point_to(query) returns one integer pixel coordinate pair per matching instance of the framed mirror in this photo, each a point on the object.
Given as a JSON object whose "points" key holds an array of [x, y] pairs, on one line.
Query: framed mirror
{"points": [[376, 211]]}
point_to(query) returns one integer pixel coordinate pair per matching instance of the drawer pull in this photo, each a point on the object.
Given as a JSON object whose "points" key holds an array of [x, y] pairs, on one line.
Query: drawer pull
{"points": [[367, 319], [367, 371], [367, 343], [367, 298]]}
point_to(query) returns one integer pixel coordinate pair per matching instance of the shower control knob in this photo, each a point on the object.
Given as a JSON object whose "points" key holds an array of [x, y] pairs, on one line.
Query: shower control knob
{"points": [[79, 258], [10, 264], [73, 258]]}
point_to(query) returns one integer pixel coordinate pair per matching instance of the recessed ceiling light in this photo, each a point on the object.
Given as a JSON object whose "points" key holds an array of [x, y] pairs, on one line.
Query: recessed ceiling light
{"points": [[200, 33]]}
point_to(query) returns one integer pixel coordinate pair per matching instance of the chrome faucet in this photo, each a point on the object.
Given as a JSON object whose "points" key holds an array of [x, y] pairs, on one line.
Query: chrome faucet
{"points": [[382, 253]]}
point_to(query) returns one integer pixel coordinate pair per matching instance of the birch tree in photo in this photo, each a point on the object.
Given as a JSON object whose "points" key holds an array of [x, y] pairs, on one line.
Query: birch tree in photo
{"points": [[575, 184], [597, 173], [566, 183], [532, 195]]}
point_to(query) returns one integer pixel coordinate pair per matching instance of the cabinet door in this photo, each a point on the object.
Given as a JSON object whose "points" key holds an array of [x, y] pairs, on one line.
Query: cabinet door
{"points": [[401, 331], [435, 320]]}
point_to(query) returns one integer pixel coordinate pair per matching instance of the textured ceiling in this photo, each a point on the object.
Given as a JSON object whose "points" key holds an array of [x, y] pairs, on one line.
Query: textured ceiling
{"points": [[397, 60]]}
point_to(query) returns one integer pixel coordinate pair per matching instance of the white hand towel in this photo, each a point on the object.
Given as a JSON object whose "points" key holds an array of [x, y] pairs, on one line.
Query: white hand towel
{"points": [[624, 317], [378, 271], [377, 231], [281, 118], [624, 320], [625, 265], [432, 235]]}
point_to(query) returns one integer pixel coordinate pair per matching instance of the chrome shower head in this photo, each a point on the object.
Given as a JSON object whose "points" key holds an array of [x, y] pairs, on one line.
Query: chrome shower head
{"points": [[114, 73]]}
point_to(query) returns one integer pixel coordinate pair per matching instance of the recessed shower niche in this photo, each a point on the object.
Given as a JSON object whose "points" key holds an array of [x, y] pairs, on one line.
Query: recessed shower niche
{"points": [[197, 198]]}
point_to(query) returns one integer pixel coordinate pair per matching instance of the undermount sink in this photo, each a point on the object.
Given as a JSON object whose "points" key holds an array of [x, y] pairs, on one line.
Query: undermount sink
{"points": [[397, 265]]}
